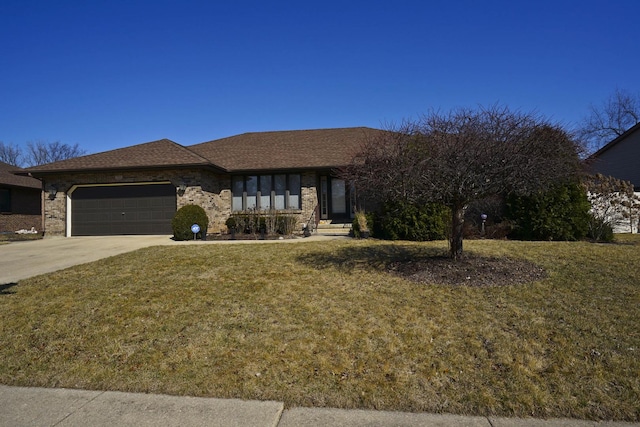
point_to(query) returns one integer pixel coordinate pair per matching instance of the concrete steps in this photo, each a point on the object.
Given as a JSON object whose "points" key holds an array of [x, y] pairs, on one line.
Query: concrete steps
{"points": [[327, 228]]}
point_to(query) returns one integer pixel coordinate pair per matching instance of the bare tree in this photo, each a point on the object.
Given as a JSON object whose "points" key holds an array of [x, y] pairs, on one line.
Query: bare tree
{"points": [[610, 119], [463, 156], [10, 154], [40, 152]]}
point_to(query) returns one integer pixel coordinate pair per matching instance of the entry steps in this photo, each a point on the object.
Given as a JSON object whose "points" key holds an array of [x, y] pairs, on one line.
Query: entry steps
{"points": [[329, 228]]}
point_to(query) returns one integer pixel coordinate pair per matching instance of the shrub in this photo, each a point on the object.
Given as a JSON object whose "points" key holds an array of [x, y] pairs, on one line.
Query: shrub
{"points": [[184, 218], [600, 230], [231, 223], [360, 225], [559, 213], [286, 224], [252, 222], [408, 221]]}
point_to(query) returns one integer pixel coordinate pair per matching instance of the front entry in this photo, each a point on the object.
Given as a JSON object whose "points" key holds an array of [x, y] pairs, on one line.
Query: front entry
{"points": [[335, 199]]}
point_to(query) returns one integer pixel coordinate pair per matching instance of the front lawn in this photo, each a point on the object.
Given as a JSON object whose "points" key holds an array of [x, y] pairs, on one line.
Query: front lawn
{"points": [[334, 324]]}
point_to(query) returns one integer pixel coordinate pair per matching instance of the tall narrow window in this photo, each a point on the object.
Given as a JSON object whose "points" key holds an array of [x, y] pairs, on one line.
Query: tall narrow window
{"points": [[338, 197], [294, 191], [324, 203], [237, 185], [265, 192], [252, 192], [280, 189]]}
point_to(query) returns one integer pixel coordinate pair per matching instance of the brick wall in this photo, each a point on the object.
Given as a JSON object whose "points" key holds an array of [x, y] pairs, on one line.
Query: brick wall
{"points": [[10, 222], [25, 211]]}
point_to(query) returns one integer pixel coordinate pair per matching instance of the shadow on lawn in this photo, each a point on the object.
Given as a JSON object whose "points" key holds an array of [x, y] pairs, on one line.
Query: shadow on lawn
{"points": [[3, 288], [379, 257]]}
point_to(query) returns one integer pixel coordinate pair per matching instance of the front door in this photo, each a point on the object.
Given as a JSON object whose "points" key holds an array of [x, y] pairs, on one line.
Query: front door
{"points": [[335, 199]]}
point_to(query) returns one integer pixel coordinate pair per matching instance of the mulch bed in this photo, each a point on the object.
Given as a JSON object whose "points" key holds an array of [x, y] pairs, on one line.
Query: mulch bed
{"points": [[472, 270]]}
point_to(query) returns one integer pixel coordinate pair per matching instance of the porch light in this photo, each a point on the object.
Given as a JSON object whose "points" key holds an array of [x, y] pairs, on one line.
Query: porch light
{"points": [[52, 192], [182, 188]]}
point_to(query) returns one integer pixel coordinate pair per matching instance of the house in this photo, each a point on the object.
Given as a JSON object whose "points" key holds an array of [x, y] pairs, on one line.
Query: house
{"points": [[20, 200], [620, 158], [137, 189]]}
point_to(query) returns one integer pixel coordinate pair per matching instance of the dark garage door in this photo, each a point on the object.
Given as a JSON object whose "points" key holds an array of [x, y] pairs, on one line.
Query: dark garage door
{"points": [[126, 209]]}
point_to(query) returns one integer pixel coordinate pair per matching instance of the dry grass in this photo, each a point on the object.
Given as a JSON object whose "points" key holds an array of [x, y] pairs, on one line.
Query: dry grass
{"points": [[13, 237], [326, 325]]}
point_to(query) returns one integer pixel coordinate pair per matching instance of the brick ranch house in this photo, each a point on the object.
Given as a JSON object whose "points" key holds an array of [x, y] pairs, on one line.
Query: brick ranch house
{"points": [[20, 200], [137, 189]]}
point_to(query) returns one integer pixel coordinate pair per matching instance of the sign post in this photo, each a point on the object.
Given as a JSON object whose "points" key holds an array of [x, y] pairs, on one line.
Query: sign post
{"points": [[195, 229]]}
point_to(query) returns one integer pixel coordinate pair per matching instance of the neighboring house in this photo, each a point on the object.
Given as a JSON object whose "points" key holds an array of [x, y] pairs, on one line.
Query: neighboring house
{"points": [[20, 200], [137, 189], [621, 159]]}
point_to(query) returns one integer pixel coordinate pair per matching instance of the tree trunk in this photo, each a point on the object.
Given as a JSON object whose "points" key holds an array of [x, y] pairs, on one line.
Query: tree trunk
{"points": [[457, 226]]}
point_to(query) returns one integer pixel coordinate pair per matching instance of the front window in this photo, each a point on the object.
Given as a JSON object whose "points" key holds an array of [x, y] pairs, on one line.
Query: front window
{"points": [[237, 187], [251, 188], [264, 192], [280, 190], [5, 200]]}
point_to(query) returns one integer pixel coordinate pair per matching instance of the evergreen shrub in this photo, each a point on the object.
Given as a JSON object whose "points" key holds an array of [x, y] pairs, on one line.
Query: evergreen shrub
{"points": [[559, 213], [184, 218], [408, 221]]}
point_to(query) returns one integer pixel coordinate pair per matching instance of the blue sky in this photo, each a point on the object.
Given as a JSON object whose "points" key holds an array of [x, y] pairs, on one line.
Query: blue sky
{"points": [[110, 73]]}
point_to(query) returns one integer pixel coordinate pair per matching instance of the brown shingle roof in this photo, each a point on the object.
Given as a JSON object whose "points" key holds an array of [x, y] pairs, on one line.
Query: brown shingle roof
{"points": [[151, 154], [280, 150], [296, 149], [7, 177]]}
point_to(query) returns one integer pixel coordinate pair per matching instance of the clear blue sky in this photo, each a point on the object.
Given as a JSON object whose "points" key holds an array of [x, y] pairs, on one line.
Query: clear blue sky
{"points": [[112, 73]]}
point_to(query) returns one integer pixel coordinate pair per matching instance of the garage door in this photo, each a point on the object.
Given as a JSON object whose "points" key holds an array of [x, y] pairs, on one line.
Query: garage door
{"points": [[126, 209]]}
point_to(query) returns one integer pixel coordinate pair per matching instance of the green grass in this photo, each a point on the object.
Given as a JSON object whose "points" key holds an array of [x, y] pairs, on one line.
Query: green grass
{"points": [[324, 324]]}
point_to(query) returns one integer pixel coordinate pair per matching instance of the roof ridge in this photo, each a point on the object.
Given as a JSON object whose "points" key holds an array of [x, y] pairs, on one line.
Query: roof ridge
{"points": [[286, 131]]}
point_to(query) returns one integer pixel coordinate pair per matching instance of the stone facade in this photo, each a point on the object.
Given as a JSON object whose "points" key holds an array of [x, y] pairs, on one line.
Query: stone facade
{"points": [[205, 188]]}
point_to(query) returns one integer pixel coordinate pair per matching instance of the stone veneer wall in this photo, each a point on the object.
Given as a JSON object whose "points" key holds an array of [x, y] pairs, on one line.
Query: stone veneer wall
{"points": [[209, 190]]}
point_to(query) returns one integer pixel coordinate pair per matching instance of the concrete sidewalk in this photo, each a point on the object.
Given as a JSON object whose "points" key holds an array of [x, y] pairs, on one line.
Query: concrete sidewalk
{"points": [[26, 406]]}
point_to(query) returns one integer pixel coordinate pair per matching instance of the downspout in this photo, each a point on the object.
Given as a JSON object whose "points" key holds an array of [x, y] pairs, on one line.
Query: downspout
{"points": [[42, 201]]}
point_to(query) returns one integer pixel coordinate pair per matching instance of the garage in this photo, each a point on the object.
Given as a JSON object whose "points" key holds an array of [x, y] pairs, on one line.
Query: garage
{"points": [[122, 209]]}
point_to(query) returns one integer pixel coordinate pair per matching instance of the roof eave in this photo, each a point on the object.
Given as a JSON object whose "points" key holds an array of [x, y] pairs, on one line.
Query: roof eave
{"points": [[35, 173], [613, 143]]}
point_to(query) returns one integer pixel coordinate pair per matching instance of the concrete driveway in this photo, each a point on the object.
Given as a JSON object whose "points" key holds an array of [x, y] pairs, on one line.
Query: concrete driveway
{"points": [[20, 260]]}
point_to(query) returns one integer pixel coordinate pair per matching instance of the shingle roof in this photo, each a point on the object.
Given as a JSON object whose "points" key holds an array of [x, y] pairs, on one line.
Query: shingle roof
{"points": [[7, 177], [296, 149], [279, 150], [151, 154]]}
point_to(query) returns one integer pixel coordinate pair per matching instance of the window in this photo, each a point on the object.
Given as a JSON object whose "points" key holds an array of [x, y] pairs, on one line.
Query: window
{"points": [[5, 200], [237, 187], [280, 189], [251, 188], [294, 192], [265, 192]]}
